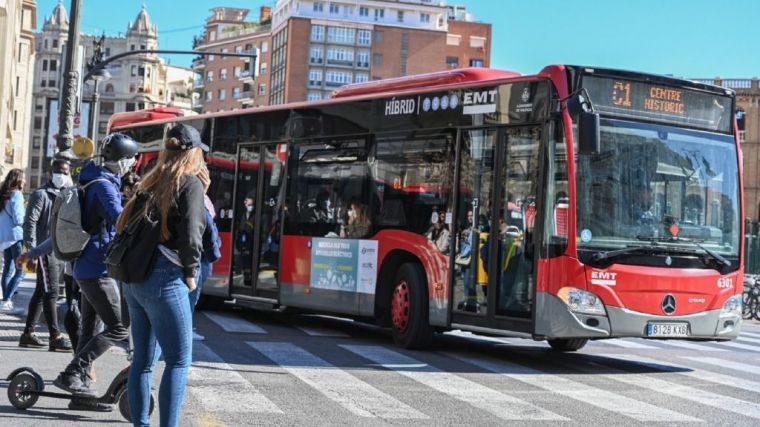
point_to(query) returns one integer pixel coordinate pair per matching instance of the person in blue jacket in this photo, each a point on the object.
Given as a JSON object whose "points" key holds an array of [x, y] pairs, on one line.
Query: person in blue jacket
{"points": [[100, 294], [11, 233]]}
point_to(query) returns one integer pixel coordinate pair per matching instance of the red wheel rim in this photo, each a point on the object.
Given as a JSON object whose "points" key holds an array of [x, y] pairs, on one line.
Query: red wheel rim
{"points": [[400, 306]]}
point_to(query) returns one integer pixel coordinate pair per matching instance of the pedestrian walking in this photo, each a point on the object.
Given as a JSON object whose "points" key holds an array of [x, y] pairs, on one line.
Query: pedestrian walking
{"points": [[159, 306], [101, 182], [11, 234], [49, 268]]}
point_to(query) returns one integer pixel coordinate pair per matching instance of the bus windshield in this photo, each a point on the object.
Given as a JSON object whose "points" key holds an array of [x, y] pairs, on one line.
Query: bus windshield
{"points": [[659, 185]]}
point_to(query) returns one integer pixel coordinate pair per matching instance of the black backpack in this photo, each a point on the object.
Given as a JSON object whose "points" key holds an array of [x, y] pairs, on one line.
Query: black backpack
{"points": [[131, 255]]}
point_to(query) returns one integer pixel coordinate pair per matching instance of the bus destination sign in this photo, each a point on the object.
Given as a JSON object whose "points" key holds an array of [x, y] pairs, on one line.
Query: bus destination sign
{"points": [[680, 106]]}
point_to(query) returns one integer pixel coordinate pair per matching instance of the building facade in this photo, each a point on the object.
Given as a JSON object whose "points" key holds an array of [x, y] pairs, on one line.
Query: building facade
{"points": [[136, 82], [310, 48], [18, 20]]}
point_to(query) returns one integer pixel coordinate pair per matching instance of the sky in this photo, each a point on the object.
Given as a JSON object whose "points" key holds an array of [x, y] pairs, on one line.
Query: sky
{"points": [[685, 38]]}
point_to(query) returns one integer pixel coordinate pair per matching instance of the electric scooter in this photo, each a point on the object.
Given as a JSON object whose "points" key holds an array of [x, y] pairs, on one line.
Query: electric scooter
{"points": [[26, 386]]}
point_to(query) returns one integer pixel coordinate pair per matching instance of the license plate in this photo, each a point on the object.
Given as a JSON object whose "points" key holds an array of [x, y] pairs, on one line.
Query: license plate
{"points": [[668, 330]]}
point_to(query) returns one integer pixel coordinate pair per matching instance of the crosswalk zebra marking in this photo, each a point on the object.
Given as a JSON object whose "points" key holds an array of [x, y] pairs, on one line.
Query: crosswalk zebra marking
{"points": [[341, 387], [699, 374], [740, 346], [218, 387], [640, 411], [234, 324], [319, 331], [499, 404], [742, 338], [728, 364], [749, 334], [628, 344], [690, 345], [726, 403]]}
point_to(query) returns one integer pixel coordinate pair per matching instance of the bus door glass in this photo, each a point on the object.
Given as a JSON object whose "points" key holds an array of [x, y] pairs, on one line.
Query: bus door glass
{"points": [[245, 201], [269, 219]]}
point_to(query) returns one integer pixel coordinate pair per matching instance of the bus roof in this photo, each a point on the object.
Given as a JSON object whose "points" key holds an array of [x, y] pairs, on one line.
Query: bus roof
{"points": [[140, 116]]}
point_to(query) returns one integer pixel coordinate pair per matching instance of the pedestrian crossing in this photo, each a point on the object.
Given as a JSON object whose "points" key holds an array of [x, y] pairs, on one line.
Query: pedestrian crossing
{"points": [[370, 381]]}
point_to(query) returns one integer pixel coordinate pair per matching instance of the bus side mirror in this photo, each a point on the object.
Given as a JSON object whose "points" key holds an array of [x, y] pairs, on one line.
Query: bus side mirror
{"points": [[588, 133]]}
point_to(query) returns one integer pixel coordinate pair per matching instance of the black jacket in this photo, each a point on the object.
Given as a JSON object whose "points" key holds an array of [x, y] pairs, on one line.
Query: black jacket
{"points": [[187, 222], [37, 218]]}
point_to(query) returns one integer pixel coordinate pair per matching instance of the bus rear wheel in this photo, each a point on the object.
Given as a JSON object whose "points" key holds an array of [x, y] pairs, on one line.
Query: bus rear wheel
{"points": [[567, 344], [409, 308]]}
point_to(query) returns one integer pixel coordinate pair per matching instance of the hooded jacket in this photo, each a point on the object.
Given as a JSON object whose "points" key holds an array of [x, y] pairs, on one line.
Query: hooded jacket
{"points": [[38, 211], [102, 206]]}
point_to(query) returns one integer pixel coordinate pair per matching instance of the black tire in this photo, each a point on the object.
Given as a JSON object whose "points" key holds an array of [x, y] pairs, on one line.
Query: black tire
{"points": [[123, 401], [408, 308], [18, 390], [567, 344]]}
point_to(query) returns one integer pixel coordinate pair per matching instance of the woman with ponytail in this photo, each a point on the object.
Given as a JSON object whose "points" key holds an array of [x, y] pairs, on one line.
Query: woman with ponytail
{"points": [[159, 308]]}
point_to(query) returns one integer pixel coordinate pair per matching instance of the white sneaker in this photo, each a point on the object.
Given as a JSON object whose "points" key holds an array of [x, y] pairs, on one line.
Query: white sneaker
{"points": [[198, 337], [6, 305]]}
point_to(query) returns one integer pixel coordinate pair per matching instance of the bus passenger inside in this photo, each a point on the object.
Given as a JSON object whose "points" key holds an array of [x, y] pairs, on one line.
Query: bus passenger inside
{"points": [[439, 232], [640, 215], [358, 225], [319, 210]]}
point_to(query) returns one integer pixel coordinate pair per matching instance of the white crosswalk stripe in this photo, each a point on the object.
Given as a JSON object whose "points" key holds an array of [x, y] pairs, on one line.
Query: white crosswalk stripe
{"points": [[640, 411], [499, 404], [740, 346], [627, 344], [234, 324], [219, 388], [319, 331], [743, 338], [727, 364], [726, 403], [700, 374], [343, 388], [749, 334], [690, 345]]}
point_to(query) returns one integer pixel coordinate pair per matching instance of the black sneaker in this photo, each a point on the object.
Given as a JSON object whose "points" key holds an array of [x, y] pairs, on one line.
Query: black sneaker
{"points": [[72, 383], [60, 343], [89, 405], [30, 340]]}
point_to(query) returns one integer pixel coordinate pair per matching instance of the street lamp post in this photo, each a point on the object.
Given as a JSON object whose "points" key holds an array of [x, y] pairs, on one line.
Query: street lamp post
{"points": [[69, 86], [99, 75]]}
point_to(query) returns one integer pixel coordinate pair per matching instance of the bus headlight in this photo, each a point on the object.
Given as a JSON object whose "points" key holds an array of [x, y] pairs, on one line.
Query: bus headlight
{"points": [[580, 301], [733, 305]]}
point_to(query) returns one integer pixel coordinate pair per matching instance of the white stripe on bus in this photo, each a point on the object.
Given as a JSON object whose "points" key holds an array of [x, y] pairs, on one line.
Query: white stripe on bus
{"points": [[234, 324], [607, 400], [339, 386], [499, 404], [218, 387]]}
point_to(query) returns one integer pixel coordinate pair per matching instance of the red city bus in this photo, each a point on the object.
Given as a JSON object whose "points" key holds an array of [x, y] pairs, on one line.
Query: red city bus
{"points": [[574, 204]]}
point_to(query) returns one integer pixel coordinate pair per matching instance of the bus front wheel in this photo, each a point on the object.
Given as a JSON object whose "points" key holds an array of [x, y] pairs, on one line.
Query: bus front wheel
{"points": [[567, 344], [409, 308]]}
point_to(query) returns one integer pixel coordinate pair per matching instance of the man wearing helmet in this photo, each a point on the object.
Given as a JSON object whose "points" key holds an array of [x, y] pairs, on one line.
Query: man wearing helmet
{"points": [[100, 294]]}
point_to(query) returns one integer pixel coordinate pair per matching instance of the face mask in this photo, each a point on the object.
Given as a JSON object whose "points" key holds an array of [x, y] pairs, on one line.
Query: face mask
{"points": [[59, 180], [249, 208], [120, 167], [351, 213]]}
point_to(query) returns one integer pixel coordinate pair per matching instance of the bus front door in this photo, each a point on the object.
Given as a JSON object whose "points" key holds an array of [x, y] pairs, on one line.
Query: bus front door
{"points": [[257, 219]]}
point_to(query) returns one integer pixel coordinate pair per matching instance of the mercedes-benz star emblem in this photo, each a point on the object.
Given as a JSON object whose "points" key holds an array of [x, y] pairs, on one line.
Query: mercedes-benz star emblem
{"points": [[669, 304]]}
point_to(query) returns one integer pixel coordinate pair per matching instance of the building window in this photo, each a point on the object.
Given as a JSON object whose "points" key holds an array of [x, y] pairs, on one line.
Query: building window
{"points": [[209, 76], [236, 92], [453, 39], [44, 65], [15, 120], [361, 77], [51, 83], [377, 59], [53, 65], [55, 43], [364, 37], [36, 143], [425, 18], [133, 71], [223, 74], [37, 123], [400, 16], [334, 9], [236, 72], [477, 42], [316, 55], [209, 96], [341, 35], [340, 56], [130, 106], [222, 94], [364, 11], [476, 63], [338, 78], [238, 49], [225, 50], [317, 33], [211, 58], [107, 108], [263, 69], [318, 6], [262, 89], [132, 47], [264, 47], [108, 51], [46, 44], [452, 61], [43, 83], [314, 96], [315, 77], [102, 127], [362, 59], [379, 14]]}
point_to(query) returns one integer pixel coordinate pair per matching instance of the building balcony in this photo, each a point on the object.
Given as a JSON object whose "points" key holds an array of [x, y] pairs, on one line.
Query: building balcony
{"points": [[198, 84], [340, 62], [199, 64], [245, 96], [246, 77]]}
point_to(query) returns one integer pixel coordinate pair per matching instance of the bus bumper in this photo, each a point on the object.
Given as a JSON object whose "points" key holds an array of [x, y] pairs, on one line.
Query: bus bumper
{"points": [[555, 320]]}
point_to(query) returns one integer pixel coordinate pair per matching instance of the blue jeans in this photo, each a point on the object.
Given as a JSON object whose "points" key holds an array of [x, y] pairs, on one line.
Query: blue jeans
{"points": [[203, 274], [159, 310], [10, 284]]}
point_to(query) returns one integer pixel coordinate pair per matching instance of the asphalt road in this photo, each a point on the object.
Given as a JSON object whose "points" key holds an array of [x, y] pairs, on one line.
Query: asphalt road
{"points": [[259, 368]]}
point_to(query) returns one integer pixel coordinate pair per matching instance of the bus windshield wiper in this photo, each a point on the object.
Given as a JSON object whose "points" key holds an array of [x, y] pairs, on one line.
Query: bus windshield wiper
{"points": [[631, 250], [714, 256]]}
